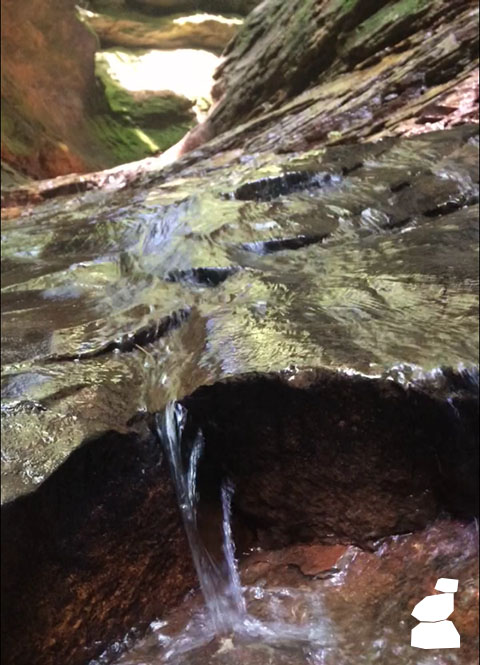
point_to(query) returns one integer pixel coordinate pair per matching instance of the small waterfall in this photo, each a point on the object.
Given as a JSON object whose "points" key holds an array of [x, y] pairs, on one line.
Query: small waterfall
{"points": [[234, 585], [227, 616], [219, 582]]}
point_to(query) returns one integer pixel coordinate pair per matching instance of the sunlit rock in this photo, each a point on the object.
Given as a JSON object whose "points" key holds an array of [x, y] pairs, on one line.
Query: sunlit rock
{"points": [[163, 91], [300, 75], [121, 27]]}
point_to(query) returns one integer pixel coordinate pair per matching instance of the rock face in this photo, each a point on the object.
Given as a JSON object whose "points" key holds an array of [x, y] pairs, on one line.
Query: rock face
{"points": [[170, 6], [55, 118], [59, 544], [61, 115], [302, 74], [354, 602], [315, 309], [45, 106], [116, 26], [329, 433]]}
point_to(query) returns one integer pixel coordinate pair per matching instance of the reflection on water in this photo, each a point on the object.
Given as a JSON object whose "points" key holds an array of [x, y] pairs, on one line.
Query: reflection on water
{"points": [[393, 279]]}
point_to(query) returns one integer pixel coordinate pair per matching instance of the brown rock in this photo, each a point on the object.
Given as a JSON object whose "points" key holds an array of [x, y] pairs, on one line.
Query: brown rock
{"points": [[48, 85], [120, 27], [170, 6]]}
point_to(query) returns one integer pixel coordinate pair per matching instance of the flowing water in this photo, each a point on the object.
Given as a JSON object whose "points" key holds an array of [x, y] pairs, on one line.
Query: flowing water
{"points": [[292, 610], [285, 607], [361, 260], [219, 581], [358, 259], [224, 626]]}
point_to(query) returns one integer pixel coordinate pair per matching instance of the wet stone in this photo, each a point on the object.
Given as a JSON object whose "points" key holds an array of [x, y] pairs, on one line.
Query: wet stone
{"points": [[353, 275], [270, 188], [374, 322], [359, 614]]}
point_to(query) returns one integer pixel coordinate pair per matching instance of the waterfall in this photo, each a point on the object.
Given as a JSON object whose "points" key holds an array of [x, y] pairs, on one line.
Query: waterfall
{"points": [[227, 613], [219, 582]]}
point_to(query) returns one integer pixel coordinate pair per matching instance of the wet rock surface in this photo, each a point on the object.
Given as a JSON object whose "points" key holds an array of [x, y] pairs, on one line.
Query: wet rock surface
{"points": [[356, 610], [319, 457], [353, 260], [305, 74], [373, 270], [70, 569]]}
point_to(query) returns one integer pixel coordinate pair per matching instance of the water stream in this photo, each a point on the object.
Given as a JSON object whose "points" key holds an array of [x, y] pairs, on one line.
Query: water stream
{"points": [[115, 302], [288, 606], [225, 620], [219, 582]]}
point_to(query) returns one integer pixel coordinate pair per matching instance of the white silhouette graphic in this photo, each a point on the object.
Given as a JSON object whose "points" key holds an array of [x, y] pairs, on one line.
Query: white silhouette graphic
{"points": [[435, 632]]}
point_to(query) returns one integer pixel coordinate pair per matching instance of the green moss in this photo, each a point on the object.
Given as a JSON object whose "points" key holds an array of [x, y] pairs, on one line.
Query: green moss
{"points": [[342, 6], [140, 123], [165, 138], [138, 106], [17, 135], [303, 24], [382, 21], [122, 143]]}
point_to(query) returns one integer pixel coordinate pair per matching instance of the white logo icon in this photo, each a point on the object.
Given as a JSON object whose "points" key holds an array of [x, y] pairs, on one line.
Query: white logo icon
{"points": [[435, 632]]}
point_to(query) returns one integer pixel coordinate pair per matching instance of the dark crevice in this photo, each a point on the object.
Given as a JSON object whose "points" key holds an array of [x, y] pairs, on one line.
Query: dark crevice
{"points": [[447, 207], [202, 276], [272, 187], [329, 435], [400, 224], [76, 187], [130, 341], [63, 393], [347, 170], [400, 186], [280, 244]]}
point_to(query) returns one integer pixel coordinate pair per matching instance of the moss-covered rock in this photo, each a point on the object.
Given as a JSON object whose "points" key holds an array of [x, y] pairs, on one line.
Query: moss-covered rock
{"points": [[48, 88], [309, 73], [57, 117], [155, 118]]}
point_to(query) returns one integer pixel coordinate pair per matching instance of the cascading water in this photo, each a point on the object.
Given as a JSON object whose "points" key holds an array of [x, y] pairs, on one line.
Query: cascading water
{"points": [[220, 582], [225, 599]]}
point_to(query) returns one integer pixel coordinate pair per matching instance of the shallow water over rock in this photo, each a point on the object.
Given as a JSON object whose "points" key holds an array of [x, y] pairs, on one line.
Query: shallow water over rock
{"points": [[357, 262], [366, 261]]}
